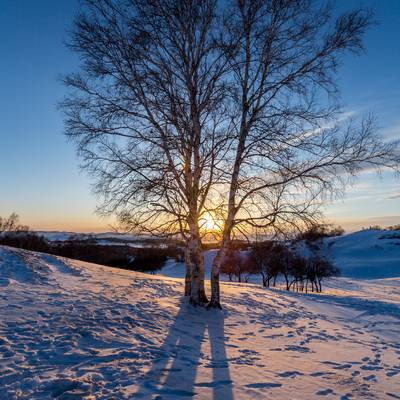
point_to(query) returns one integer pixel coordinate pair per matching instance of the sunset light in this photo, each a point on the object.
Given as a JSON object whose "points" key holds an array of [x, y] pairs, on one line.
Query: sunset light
{"points": [[210, 224], [200, 199]]}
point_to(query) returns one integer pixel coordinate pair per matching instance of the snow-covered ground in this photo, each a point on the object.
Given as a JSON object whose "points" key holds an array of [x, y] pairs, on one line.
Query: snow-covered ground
{"points": [[367, 254], [73, 330]]}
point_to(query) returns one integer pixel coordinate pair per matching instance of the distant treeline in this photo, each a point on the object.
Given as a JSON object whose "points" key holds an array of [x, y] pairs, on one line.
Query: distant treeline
{"points": [[146, 259], [380, 228], [272, 259]]}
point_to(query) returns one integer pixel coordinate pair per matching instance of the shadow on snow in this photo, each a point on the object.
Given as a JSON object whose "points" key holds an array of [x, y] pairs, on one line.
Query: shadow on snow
{"points": [[173, 372]]}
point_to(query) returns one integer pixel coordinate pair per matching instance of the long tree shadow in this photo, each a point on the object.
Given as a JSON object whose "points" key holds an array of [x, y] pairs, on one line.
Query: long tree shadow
{"points": [[173, 372]]}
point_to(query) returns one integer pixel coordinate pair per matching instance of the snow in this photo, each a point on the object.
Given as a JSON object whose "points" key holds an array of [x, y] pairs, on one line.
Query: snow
{"points": [[104, 236], [74, 330], [367, 254], [53, 236], [103, 239]]}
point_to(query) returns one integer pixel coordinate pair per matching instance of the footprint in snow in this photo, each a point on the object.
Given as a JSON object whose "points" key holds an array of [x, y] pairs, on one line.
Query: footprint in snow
{"points": [[392, 373], [324, 392], [299, 349], [263, 385], [343, 366], [370, 378], [370, 367], [290, 374], [321, 373], [392, 395]]}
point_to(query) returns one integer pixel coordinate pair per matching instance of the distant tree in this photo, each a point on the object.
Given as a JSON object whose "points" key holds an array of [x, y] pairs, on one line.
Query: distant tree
{"points": [[318, 269], [286, 265], [393, 228], [25, 240], [320, 231], [11, 224], [148, 260], [266, 257], [238, 264], [299, 272], [375, 227]]}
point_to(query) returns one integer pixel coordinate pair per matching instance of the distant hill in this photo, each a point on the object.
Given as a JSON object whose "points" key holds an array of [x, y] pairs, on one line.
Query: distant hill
{"points": [[366, 254]]}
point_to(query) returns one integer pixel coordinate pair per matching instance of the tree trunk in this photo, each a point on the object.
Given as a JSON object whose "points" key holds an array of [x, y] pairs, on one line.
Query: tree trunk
{"points": [[215, 301], [197, 290], [264, 281], [188, 268]]}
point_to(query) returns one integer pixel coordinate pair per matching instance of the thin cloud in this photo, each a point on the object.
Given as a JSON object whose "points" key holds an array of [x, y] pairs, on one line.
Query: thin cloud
{"points": [[392, 133], [393, 196]]}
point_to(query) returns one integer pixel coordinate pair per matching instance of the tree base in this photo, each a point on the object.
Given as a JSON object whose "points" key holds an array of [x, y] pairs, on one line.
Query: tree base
{"points": [[203, 297], [199, 302], [214, 304]]}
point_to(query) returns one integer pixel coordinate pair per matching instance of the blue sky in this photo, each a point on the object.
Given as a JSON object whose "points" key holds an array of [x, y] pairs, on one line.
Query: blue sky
{"points": [[39, 174]]}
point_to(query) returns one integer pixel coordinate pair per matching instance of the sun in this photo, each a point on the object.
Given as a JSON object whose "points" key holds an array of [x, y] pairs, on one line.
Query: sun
{"points": [[208, 223]]}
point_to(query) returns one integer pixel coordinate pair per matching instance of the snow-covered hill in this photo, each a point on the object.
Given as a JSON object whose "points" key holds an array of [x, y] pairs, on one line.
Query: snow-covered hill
{"points": [[63, 236], [104, 239], [73, 330], [368, 254]]}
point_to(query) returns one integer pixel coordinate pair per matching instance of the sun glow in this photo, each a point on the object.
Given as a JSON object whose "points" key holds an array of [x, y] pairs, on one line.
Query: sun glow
{"points": [[210, 224]]}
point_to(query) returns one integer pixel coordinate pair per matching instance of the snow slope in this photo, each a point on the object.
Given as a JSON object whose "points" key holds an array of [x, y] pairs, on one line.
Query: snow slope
{"points": [[73, 330], [367, 254]]}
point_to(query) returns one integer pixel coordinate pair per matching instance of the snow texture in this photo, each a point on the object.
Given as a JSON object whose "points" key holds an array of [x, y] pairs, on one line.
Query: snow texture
{"points": [[74, 330]]}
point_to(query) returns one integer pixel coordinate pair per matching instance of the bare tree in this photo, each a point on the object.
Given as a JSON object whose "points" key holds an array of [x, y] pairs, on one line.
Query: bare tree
{"points": [[267, 257], [145, 112], [187, 107], [291, 146], [239, 264], [11, 224]]}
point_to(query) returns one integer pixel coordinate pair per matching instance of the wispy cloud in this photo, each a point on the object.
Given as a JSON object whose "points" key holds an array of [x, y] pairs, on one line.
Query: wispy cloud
{"points": [[393, 196], [392, 132]]}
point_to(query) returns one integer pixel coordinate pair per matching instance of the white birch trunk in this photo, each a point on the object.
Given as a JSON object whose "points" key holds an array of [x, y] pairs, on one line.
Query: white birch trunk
{"points": [[197, 288], [188, 269]]}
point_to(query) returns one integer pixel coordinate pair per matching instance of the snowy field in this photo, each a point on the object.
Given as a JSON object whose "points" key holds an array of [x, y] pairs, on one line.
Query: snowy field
{"points": [[368, 254], [73, 330]]}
